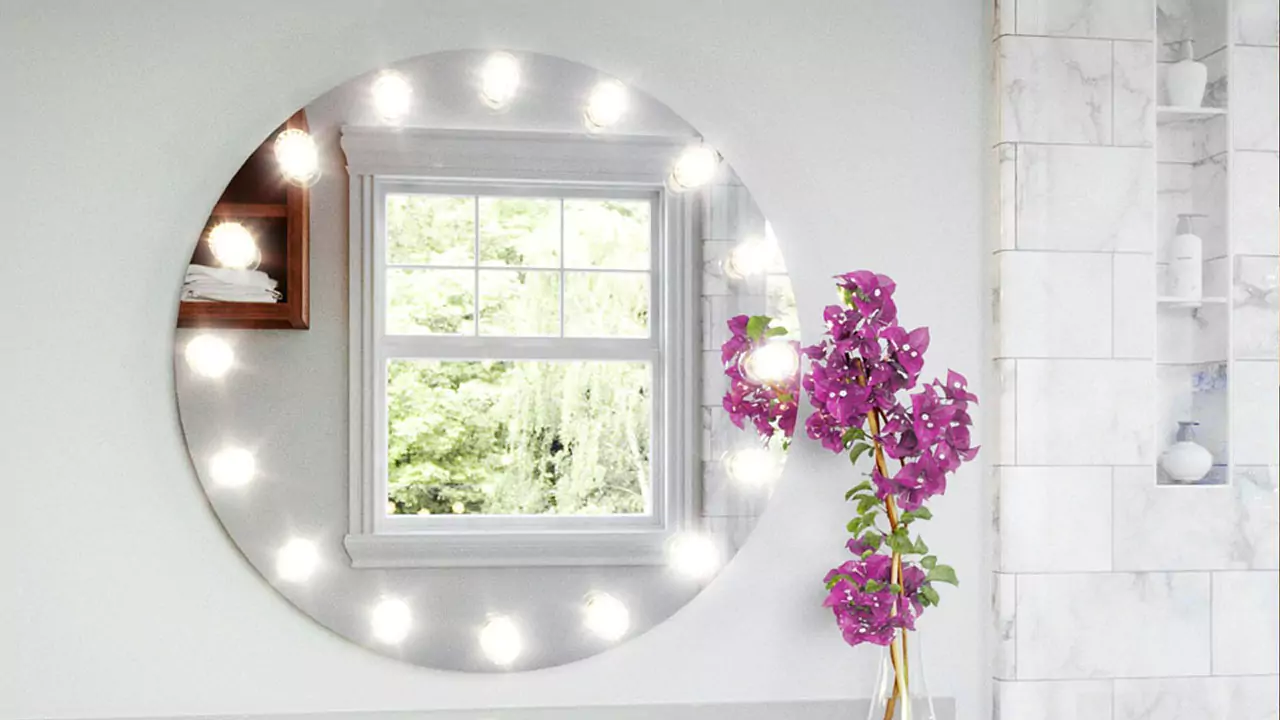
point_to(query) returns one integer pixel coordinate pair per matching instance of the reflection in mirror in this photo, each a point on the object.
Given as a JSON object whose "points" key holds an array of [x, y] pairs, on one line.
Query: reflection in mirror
{"points": [[492, 439]]}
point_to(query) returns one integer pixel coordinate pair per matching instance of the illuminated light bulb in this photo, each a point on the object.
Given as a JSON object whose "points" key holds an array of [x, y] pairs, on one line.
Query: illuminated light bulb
{"points": [[694, 168], [499, 80], [752, 466], [500, 640], [773, 362], [391, 621], [209, 356], [233, 246], [748, 259], [297, 560], [606, 105], [232, 467], [298, 157], [606, 617], [693, 556], [458, 508], [392, 95]]}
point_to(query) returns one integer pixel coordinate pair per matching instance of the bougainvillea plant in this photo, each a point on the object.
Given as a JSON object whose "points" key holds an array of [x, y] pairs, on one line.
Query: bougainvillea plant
{"points": [[863, 381]]}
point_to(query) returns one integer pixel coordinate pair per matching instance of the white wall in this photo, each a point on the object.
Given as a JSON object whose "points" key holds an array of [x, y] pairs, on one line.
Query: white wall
{"points": [[857, 127]]}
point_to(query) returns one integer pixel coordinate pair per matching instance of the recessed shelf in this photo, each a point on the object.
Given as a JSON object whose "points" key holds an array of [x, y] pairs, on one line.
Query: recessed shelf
{"points": [[1170, 114], [1176, 303]]}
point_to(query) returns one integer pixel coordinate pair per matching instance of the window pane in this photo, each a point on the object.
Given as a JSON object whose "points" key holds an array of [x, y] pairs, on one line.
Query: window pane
{"points": [[522, 232], [607, 234], [431, 302], [517, 437], [431, 230], [606, 304], [519, 302]]}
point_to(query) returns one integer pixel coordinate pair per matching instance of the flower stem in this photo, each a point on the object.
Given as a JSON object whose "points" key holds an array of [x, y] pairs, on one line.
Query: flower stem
{"points": [[898, 646]]}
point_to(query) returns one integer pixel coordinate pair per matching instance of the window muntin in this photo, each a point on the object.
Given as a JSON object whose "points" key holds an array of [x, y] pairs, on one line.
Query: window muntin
{"points": [[551, 299]]}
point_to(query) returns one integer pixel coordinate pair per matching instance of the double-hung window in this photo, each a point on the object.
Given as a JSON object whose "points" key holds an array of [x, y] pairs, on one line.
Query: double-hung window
{"points": [[521, 361]]}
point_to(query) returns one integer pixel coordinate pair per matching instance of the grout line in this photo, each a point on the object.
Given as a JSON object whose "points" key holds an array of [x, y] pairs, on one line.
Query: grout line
{"points": [[1077, 252], [1112, 340], [1139, 678], [1103, 146], [1145, 41], [1113, 518]]}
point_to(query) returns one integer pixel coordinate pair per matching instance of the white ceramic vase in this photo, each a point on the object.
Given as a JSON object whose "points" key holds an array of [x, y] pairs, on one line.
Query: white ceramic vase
{"points": [[1186, 461]]}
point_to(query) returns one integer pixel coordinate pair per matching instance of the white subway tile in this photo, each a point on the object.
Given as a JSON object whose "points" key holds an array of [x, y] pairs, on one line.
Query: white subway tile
{"points": [[1054, 304], [1255, 98], [1209, 698], [1058, 700], [1162, 527], [1132, 19], [1135, 93], [1246, 629], [1054, 90], [1055, 519], [1133, 325], [1255, 417], [1255, 201], [1085, 198], [1099, 625], [1085, 412]]}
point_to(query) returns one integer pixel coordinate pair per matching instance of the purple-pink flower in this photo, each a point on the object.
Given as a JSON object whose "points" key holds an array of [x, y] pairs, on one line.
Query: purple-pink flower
{"points": [[863, 381], [771, 407]]}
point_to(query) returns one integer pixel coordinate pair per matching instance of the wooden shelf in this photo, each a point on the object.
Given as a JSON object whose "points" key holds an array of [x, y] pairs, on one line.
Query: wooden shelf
{"points": [[278, 214]]}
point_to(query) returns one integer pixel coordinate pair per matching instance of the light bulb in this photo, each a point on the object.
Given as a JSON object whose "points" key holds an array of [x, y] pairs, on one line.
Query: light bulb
{"points": [[298, 157], [694, 168], [752, 466], [605, 616], [233, 246], [500, 640], [391, 621], [606, 105], [693, 556], [499, 80], [748, 259], [209, 356], [297, 560], [392, 95], [232, 467], [773, 362]]}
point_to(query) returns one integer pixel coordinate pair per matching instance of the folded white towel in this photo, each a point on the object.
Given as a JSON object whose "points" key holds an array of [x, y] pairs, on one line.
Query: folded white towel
{"points": [[215, 295], [250, 278]]}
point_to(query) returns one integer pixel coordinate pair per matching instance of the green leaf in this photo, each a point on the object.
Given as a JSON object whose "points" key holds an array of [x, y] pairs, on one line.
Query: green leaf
{"points": [[928, 561], [857, 452], [853, 433], [756, 325], [866, 502], [920, 547], [854, 526], [837, 578], [928, 595], [895, 588], [865, 485], [874, 585], [917, 514], [942, 573], [775, 332], [872, 539]]}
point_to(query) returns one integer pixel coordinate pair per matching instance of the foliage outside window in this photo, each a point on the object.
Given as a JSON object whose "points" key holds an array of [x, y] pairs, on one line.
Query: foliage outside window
{"points": [[500, 432]]}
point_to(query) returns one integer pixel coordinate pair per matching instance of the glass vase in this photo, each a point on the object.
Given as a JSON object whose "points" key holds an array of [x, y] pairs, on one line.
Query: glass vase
{"points": [[887, 696]]}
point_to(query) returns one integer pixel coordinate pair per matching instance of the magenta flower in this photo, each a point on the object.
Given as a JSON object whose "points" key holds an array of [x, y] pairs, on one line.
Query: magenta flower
{"points": [[863, 382]]}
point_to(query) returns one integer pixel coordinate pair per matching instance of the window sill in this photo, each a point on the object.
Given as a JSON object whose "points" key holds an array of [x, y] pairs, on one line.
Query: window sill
{"points": [[512, 549]]}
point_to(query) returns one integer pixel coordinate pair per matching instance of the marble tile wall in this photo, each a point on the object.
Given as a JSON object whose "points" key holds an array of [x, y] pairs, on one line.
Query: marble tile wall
{"points": [[1112, 596]]}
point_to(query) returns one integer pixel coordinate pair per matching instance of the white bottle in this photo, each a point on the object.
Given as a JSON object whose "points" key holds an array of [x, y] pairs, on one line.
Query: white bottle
{"points": [[1186, 271], [1185, 80]]}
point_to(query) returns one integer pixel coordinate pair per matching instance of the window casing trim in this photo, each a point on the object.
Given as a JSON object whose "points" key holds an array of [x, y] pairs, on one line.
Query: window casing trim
{"points": [[380, 161]]}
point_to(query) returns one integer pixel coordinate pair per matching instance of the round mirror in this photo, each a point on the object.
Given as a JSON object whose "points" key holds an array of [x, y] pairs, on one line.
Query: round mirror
{"points": [[448, 360]]}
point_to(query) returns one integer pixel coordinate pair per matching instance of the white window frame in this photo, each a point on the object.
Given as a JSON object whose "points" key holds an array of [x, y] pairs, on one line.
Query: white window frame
{"points": [[381, 161]]}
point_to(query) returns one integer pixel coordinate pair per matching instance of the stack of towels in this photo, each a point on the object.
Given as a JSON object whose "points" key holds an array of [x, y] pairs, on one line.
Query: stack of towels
{"points": [[204, 284]]}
